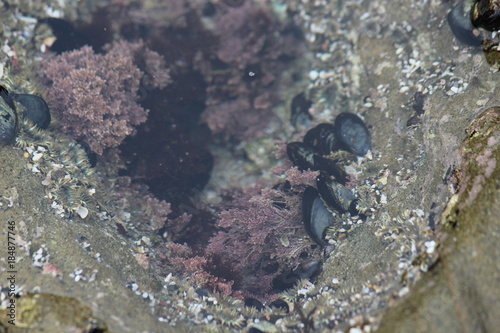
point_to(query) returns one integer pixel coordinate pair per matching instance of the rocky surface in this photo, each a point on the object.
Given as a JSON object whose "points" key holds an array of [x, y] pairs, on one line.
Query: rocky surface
{"points": [[427, 258]]}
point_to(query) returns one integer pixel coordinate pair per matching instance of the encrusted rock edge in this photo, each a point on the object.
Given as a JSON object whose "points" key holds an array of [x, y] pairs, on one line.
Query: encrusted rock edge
{"points": [[460, 293]]}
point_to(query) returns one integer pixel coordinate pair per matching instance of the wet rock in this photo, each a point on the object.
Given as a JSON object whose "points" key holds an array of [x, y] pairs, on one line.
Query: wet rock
{"points": [[48, 312], [460, 293]]}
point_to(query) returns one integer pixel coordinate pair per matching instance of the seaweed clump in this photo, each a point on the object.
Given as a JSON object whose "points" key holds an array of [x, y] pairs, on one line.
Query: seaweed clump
{"points": [[95, 96]]}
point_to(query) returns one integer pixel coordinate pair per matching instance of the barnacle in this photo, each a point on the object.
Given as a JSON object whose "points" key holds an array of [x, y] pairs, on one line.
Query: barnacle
{"points": [[365, 203], [289, 296], [250, 312], [213, 328], [30, 134], [228, 316]]}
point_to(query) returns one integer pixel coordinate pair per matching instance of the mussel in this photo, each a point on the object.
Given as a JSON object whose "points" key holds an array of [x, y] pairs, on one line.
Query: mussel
{"points": [[300, 110], [301, 155], [280, 304], [459, 20], [322, 139], [8, 117], [316, 215], [305, 270], [486, 14], [35, 109], [336, 195], [252, 302], [349, 133], [352, 134], [332, 168]]}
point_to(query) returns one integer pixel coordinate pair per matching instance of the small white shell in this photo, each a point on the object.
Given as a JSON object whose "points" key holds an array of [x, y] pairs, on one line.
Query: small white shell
{"points": [[82, 212]]}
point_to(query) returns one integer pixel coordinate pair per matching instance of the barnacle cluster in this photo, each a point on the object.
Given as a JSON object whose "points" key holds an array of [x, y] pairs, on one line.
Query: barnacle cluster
{"points": [[63, 164]]}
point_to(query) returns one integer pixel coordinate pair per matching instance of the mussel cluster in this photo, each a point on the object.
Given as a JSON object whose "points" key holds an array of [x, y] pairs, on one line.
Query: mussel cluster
{"points": [[34, 108], [319, 151]]}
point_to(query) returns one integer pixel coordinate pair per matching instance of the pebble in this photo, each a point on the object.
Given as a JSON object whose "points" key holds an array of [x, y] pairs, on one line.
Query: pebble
{"points": [[37, 156], [313, 75], [431, 246], [318, 28]]}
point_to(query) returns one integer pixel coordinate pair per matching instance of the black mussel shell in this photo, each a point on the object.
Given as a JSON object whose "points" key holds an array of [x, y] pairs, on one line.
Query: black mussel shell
{"points": [[459, 20], [35, 109], [322, 139], [203, 292], [352, 134], [335, 195], [306, 270], [280, 304], [486, 14], [304, 157], [301, 155], [7, 97], [300, 110], [331, 167], [316, 216], [252, 302], [8, 117]]}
